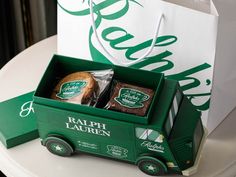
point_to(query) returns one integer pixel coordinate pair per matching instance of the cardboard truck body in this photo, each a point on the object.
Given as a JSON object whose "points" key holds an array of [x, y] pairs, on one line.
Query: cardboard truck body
{"points": [[168, 140]]}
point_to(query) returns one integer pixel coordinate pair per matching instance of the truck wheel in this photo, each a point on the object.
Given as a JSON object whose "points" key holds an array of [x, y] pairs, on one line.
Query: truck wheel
{"points": [[59, 146], [151, 166]]}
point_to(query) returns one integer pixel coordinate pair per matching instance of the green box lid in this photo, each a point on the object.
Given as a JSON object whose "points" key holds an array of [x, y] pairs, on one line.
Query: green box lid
{"points": [[17, 121]]}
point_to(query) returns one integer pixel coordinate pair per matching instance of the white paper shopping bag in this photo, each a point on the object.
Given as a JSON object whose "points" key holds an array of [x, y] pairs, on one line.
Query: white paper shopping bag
{"points": [[223, 94], [153, 35]]}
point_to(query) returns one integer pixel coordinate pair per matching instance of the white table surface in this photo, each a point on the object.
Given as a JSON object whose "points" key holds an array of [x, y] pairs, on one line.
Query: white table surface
{"points": [[22, 74]]}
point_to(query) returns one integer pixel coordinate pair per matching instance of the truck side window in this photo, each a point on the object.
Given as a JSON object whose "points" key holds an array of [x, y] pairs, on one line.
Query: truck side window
{"points": [[173, 112], [149, 134]]}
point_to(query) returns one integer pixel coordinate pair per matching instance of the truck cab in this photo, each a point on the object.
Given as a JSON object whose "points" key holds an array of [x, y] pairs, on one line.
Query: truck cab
{"points": [[173, 136]]}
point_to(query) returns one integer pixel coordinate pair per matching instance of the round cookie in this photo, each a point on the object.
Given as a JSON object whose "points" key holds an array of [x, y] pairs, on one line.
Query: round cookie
{"points": [[77, 87]]}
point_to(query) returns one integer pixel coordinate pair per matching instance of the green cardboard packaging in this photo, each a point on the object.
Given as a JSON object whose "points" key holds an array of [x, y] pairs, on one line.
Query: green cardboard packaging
{"points": [[17, 121], [169, 138], [60, 67]]}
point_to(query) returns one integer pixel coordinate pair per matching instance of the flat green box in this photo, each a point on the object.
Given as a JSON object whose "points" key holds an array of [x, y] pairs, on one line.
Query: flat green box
{"points": [[61, 66], [17, 121]]}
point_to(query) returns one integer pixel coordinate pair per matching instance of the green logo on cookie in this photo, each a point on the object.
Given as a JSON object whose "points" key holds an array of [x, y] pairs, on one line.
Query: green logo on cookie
{"points": [[131, 98], [71, 89]]}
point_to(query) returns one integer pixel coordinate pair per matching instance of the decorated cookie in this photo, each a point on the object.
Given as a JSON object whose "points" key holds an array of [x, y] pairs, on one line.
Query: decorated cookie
{"points": [[78, 87]]}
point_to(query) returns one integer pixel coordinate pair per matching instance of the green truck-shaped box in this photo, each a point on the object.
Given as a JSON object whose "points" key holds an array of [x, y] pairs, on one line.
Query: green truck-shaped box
{"points": [[168, 140]]}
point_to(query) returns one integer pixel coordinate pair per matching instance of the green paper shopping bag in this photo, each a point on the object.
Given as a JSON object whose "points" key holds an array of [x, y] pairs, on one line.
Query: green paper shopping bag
{"points": [[160, 36]]}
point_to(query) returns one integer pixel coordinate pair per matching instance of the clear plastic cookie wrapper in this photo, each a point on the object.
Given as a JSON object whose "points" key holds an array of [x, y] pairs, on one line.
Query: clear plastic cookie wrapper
{"points": [[83, 87]]}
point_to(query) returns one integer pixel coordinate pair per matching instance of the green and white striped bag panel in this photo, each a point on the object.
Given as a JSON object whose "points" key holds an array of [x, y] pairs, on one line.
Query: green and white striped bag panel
{"points": [[173, 111]]}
